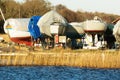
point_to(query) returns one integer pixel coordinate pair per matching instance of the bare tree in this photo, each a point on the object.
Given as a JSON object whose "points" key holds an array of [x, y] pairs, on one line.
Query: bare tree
{"points": [[11, 8], [34, 7]]}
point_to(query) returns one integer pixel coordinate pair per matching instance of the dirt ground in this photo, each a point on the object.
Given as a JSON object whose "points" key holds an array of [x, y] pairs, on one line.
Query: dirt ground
{"points": [[8, 46]]}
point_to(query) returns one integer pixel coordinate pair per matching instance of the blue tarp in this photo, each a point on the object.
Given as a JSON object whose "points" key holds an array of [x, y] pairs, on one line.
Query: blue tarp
{"points": [[33, 28]]}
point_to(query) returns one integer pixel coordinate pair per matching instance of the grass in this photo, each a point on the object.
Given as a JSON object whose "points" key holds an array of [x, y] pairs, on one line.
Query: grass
{"points": [[21, 56]]}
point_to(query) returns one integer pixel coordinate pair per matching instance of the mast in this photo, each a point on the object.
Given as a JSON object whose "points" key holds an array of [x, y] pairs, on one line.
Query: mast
{"points": [[2, 14]]}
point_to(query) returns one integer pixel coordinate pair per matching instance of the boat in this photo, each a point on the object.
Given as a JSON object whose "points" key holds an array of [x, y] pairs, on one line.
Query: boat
{"points": [[53, 28], [75, 30], [95, 26], [17, 29], [33, 27], [116, 31], [52, 23]]}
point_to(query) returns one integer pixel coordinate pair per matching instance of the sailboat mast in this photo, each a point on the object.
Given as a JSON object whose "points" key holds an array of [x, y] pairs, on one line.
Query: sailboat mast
{"points": [[2, 14]]}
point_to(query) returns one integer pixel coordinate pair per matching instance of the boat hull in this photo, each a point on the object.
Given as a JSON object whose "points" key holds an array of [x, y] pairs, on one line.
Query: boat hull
{"points": [[17, 29], [20, 37], [94, 26]]}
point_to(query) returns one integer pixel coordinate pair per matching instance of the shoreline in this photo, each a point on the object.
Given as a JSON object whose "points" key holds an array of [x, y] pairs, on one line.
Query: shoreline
{"points": [[14, 55]]}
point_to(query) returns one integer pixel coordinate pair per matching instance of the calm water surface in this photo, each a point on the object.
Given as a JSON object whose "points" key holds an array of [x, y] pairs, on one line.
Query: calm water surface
{"points": [[57, 73]]}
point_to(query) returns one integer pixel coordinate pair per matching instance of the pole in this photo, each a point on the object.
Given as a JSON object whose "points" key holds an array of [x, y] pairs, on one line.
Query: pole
{"points": [[2, 14]]}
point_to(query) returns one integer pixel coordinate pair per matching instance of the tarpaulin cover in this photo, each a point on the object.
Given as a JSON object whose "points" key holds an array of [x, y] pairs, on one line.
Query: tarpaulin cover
{"points": [[33, 27], [108, 34], [116, 31], [110, 26], [75, 30], [20, 24], [49, 18]]}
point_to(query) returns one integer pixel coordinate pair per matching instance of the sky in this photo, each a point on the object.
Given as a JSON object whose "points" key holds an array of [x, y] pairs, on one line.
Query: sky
{"points": [[106, 6]]}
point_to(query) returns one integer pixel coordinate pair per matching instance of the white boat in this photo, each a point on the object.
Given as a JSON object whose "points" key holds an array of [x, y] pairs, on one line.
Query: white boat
{"points": [[94, 26], [17, 29], [116, 31]]}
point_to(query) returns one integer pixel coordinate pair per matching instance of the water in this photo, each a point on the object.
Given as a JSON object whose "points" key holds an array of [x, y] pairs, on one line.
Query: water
{"points": [[57, 73]]}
